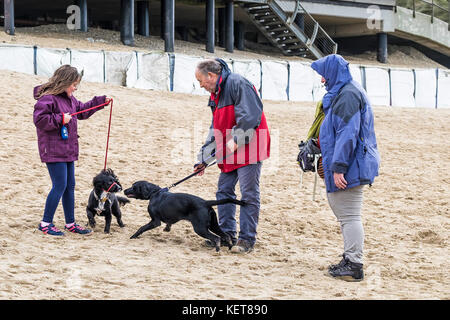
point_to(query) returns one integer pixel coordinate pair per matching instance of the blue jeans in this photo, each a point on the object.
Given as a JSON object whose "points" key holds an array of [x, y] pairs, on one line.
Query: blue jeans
{"points": [[248, 178], [63, 186]]}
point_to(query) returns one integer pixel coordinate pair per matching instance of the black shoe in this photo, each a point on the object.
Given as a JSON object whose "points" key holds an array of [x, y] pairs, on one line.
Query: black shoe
{"points": [[349, 271], [340, 264], [223, 242], [242, 246]]}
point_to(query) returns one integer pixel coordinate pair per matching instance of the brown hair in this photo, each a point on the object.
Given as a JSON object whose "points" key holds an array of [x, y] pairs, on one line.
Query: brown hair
{"points": [[63, 77]]}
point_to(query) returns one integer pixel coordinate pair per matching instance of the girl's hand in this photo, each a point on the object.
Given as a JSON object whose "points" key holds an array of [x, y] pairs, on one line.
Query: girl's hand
{"points": [[66, 118], [108, 100]]}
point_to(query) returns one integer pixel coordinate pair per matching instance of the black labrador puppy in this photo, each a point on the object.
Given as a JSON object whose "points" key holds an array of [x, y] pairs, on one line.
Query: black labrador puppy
{"points": [[103, 201], [170, 208]]}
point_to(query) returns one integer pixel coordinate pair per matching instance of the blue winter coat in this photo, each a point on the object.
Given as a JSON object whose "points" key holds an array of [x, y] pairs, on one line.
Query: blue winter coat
{"points": [[347, 137]]}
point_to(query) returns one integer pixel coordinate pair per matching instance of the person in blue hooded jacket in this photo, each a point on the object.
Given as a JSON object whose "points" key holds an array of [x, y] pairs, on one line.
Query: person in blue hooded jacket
{"points": [[350, 157]]}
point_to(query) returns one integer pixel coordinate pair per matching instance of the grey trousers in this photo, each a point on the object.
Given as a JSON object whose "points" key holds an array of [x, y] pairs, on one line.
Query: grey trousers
{"points": [[346, 206], [248, 178]]}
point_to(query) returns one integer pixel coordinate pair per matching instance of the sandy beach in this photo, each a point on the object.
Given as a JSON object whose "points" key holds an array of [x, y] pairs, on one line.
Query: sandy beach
{"points": [[154, 137]]}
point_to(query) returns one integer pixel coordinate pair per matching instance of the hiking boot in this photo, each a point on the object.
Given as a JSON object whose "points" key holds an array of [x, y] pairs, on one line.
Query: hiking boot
{"points": [[340, 264], [223, 242], [50, 229], [76, 228], [242, 246], [349, 271]]}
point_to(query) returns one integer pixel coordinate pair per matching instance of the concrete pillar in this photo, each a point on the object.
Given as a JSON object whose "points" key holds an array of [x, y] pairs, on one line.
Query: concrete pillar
{"points": [[229, 26], [143, 18], [127, 22], [9, 17], [169, 25], [382, 53], [84, 25], [240, 35], [210, 25]]}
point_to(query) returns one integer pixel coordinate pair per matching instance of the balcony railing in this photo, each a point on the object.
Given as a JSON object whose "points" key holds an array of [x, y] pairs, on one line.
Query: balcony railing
{"points": [[434, 8]]}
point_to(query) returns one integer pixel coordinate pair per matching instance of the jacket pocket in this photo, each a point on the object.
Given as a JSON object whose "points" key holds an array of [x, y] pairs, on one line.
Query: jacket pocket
{"points": [[368, 162], [58, 147]]}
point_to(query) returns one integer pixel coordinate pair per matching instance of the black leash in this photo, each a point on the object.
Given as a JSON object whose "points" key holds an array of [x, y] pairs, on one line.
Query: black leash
{"points": [[197, 172]]}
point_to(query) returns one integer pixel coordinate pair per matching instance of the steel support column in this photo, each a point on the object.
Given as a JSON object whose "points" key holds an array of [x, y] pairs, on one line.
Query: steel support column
{"points": [[210, 24], [127, 22], [143, 18], [9, 17], [169, 25], [229, 26]]}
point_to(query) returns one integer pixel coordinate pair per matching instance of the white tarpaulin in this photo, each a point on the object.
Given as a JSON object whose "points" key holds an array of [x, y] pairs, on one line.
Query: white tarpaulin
{"points": [[154, 71], [443, 89], [301, 81], [426, 88], [17, 58], [92, 62], [184, 80], [249, 69], [377, 86], [132, 71], [116, 67], [355, 71], [48, 60], [274, 80], [402, 88]]}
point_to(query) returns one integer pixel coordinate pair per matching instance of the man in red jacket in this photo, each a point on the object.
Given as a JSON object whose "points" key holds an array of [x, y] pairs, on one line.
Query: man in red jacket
{"points": [[239, 140]]}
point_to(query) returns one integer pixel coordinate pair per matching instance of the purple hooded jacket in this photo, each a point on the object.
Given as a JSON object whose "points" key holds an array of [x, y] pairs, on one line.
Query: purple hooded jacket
{"points": [[47, 117]]}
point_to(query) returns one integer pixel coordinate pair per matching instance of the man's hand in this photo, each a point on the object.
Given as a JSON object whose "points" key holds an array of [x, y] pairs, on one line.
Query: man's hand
{"points": [[231, 146], [200, 168], [339, 180]]}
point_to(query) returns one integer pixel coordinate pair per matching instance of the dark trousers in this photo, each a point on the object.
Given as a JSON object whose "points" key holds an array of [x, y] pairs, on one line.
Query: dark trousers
{"points": [[248, 178], [63, 186]]}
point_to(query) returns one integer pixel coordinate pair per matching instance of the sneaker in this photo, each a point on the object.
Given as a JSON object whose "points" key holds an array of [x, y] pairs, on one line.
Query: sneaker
{"points": [[242, 246], [340, 264], [76, 228], [349, 271], [50, 229]]}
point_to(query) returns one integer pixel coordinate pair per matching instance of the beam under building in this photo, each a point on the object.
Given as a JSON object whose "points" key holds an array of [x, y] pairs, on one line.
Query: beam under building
{"points": [[9, 17], [127, 22], [210, 23], [143, 18], [229, 26], [169, 25]]}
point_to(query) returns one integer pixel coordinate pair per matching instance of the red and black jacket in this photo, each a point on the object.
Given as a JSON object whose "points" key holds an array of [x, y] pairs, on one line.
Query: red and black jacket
{"points": [[237, 114]]}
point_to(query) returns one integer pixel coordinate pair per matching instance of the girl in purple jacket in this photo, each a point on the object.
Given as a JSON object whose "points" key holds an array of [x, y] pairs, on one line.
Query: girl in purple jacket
{"points": [[55, 103]]}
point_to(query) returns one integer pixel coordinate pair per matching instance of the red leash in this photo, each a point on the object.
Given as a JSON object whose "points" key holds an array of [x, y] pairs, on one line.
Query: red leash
{"points": [[109, 125]]}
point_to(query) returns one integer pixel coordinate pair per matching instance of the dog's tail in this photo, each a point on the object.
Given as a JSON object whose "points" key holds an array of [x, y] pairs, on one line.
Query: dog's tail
{"points": [[224, 201], [122, 201]]}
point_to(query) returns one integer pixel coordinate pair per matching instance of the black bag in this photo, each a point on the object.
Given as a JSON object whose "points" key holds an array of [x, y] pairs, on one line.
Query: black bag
{"points": [[308, 151]]}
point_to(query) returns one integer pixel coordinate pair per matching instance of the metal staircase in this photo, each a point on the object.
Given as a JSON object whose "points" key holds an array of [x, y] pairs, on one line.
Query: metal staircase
{"points": [[295, 34]]}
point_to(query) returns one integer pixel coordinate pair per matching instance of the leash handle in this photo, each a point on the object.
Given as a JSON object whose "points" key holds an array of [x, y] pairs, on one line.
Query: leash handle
{"points": [[92, 108], [109, 129]]}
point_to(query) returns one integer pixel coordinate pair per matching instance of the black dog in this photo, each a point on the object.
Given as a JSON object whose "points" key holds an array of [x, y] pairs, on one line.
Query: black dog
{"points": [[170, 208], [103, 201]]}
